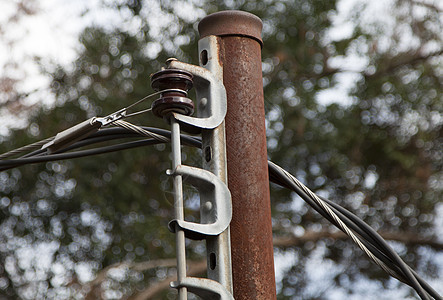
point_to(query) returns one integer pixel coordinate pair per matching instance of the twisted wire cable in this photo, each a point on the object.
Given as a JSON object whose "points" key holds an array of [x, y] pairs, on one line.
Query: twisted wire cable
{"points": [[122, 113], [141, 131], [337, 220], [423, 294], [404, 273], [25, 148]]}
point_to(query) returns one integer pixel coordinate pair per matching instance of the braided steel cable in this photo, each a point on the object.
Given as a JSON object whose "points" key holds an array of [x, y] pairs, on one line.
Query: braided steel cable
{"points": [[409, 277], [141, 131], [24, 149], [113, 118], [276, 173], [336, 219]]}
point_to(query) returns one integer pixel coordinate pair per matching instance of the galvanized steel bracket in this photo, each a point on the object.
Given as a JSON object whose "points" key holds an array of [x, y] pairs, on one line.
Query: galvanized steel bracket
{"points": [[204, 288], [211, 93], [215, 197], [215, 202]]}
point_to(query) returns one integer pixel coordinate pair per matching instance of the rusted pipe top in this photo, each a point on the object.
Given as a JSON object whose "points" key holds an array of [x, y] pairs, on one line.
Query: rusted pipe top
{"points": [[231, 22]]}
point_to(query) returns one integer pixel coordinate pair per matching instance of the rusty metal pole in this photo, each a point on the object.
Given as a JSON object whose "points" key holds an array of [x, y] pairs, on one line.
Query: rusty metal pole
{"points": [[251, 229]]}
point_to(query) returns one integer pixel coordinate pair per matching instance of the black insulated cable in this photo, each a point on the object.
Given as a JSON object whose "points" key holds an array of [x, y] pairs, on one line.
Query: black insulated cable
{"points": [[368, 236], [102, 135]]}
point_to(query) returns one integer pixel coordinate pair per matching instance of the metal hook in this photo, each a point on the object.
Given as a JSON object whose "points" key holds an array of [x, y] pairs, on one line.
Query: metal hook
{"points": [[214, 197], [204, 288], [211, 93]]}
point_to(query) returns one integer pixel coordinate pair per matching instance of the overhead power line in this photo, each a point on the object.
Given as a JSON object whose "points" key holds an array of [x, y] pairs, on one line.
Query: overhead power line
{"points": [[360, 233]]}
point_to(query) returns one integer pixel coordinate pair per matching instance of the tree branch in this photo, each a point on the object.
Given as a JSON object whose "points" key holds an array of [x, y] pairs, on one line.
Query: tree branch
{"points": [[428, 5], [400, 60], [407, 238], [94, 287], [198, 267], [195, 268]]}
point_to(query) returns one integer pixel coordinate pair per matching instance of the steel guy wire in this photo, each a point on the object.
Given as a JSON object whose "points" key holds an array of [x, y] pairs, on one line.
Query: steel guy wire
{"points": [[117, 133], [328, 210], [123, 113], [103, 135], [141, 131], [25, 148], [355, 239], [109, 119]]}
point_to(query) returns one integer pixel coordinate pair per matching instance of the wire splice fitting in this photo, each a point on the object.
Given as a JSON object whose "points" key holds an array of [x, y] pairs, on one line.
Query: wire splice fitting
{"points": [[172, 101]]}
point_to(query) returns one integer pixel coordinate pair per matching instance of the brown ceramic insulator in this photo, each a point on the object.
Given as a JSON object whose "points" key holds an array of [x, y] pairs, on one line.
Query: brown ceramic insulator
{"points": [[164, 106], [172, 101]]}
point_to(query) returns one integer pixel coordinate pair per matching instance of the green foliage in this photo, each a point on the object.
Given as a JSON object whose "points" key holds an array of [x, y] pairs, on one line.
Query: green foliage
{"points": [[380, 155]]}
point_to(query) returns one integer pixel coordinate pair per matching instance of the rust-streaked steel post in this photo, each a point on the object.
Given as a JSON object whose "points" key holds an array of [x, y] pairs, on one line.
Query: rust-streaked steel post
{"points": [[251, 229]]}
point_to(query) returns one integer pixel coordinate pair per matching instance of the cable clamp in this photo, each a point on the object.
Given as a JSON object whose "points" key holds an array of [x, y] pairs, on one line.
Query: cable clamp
{"points": [[71, 135]]}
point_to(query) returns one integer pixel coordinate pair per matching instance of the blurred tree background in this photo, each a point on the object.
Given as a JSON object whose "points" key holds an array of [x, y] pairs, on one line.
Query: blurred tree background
{"points": [[354, 110]]}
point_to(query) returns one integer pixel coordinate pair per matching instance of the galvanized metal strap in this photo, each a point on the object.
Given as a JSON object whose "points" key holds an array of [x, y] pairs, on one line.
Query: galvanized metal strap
{"points": [[215, 198]]}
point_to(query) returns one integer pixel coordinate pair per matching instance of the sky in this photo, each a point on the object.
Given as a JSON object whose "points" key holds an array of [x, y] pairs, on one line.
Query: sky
{"points": [[51, 34]]}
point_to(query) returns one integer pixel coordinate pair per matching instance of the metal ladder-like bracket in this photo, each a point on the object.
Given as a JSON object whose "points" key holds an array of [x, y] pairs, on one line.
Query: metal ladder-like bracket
{"points": [[215, 199], [211, 93], [204, 288]]}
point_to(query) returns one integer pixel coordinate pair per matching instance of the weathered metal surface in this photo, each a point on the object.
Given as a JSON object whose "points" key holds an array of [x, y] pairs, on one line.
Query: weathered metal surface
{"points": [[231, 22], [214, 159], [215, 200], [251, 228]]}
